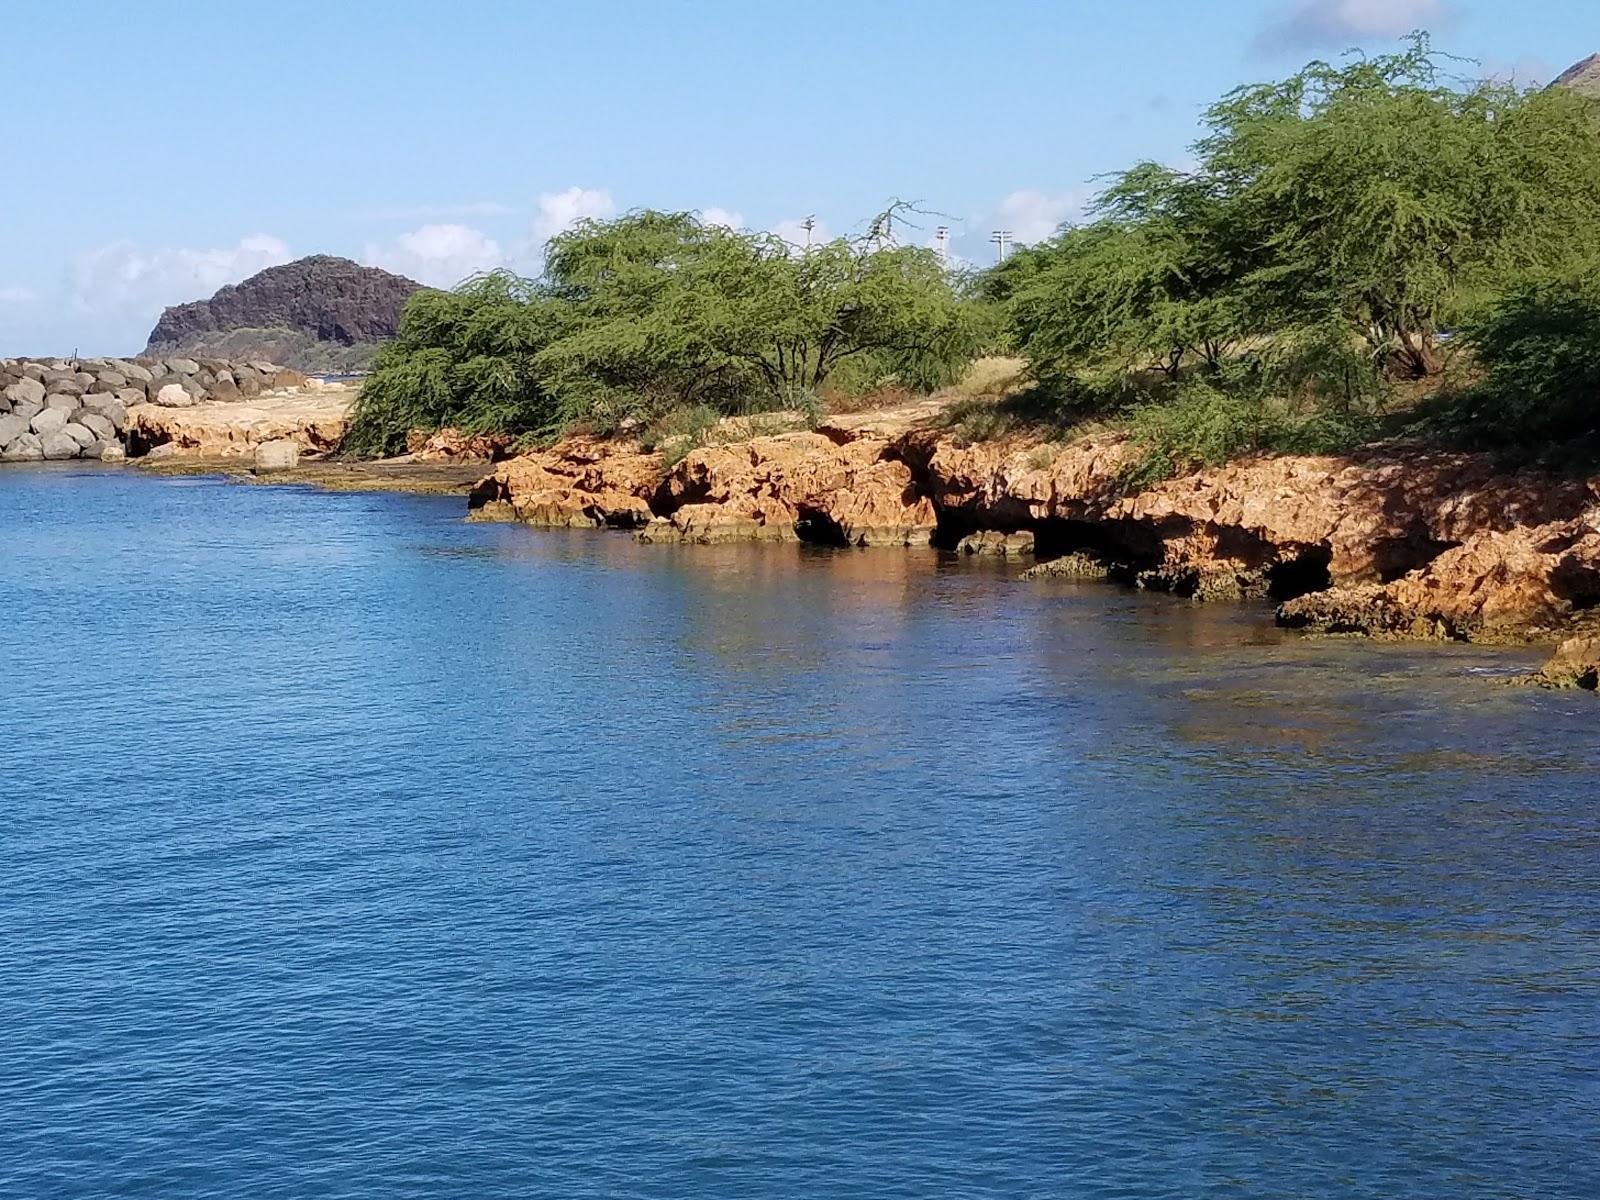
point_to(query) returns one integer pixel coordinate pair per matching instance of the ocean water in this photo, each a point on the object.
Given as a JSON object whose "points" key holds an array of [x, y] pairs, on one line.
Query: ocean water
{"points": [[351, 850]]}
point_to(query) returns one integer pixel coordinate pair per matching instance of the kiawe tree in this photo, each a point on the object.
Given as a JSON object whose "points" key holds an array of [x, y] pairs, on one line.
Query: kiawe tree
{"points": [[1377, 193], [1375, 197], [651, 311], [747, 314]]}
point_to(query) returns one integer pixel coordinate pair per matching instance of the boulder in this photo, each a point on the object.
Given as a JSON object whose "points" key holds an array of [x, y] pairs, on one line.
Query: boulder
{"points": [[27, 447], [101, 426], [32, 371], [136, 373], [66, 402], [173, 395], [223, 391], [61, 446], [28, 391], [49, 421], [81, 434], [11, 428], [109, 407], [113, 452], [63, 385], [110, 381], [183, 366], [579, 483], [281, 454], [27, 411], [129, 396]]}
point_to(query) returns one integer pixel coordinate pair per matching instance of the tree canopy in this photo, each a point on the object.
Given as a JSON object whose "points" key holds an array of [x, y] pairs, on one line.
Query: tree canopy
{"points": [[1376, 194], [654, 310]]}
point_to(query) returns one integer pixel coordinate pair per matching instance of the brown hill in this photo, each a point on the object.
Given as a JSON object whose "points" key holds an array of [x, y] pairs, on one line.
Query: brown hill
{"points": [[1582, 77], [316, 314]]}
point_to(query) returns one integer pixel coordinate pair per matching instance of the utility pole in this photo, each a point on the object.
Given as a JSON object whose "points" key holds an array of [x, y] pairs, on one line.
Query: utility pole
{"points": [[1002, 239], [808, 225], [941, 237]]}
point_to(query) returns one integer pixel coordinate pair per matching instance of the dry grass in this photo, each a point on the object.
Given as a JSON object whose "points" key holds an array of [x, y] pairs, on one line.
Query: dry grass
{"points": [[993, 376]]}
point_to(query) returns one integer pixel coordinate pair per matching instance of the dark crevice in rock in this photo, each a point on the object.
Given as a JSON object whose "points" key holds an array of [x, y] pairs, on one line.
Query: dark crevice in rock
{"points": [[1307, 572], [818, 529], [1394, 557], [1576, 584]]}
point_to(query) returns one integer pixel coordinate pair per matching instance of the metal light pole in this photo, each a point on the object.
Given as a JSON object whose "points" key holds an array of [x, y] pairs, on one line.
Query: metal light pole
{"points": [[808, 225], [1002, 239], [942, 237]]}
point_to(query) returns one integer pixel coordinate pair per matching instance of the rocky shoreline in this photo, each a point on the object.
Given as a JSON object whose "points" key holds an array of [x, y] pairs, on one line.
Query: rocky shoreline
{"points": [[1393, 541]]}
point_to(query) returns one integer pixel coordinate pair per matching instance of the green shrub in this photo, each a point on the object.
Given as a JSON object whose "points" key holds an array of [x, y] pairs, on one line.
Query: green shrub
{"points": [[1211, 421], [1539, 352]]}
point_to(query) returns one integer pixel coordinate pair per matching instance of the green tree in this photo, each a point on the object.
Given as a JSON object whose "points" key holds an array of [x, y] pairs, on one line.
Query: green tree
{"points": [[664, 307], [1145, 284], [465, 358]]}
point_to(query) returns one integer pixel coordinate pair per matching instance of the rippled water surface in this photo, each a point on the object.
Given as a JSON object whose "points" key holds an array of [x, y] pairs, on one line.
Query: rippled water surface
{"points": [[354, 851]]}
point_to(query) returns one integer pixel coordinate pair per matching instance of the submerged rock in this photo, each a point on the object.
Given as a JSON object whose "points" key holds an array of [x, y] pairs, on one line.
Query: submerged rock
{"points": [[1077, 565], [990, 543]]}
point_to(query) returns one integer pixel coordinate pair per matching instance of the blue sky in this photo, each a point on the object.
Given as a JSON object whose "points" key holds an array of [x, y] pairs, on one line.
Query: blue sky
{"points": [[154, 151]]}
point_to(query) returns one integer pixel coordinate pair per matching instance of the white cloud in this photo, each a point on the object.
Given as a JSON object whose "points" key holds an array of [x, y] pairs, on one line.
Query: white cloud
{"points": [[122, 279], [793, 231], [1032, 216], [560, 211], [436, 212], [438, 255], [1339, 24], [727, 218], [18, 295]]}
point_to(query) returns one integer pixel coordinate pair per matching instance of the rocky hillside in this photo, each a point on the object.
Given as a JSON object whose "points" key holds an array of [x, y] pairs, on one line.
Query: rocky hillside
{"points": [[1583, 77], [316, 314]]}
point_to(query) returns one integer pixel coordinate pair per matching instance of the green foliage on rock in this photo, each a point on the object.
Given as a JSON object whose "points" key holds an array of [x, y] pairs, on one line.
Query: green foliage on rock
{"points": [[654, 311]]}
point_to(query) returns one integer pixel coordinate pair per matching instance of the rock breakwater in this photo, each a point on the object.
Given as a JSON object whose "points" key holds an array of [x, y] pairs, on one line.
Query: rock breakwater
{"points": [[86, 408]]}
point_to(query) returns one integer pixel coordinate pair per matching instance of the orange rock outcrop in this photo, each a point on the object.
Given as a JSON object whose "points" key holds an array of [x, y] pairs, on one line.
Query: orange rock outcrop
{"points": [[1394, 539]]}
